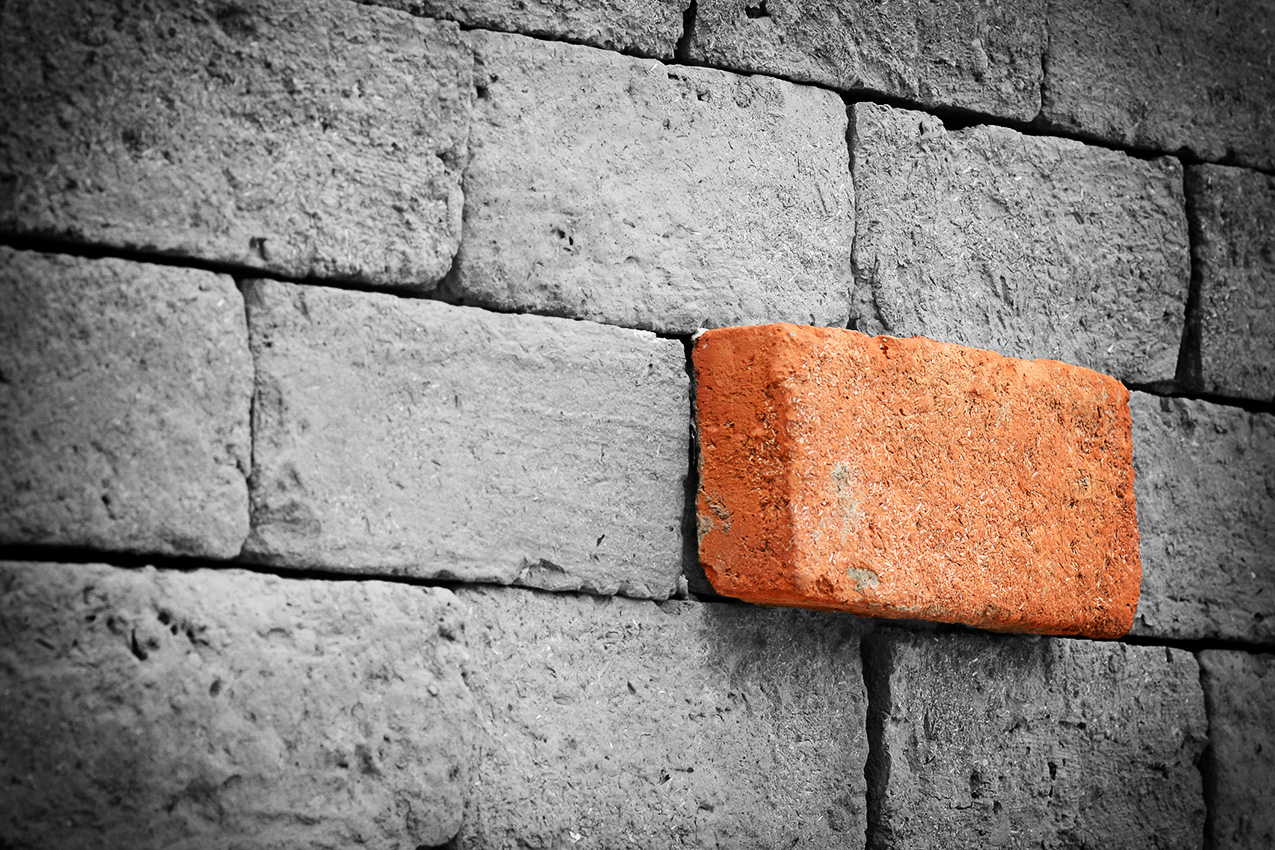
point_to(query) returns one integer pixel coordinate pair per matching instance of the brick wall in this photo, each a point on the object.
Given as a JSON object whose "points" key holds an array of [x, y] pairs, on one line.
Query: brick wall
{"points": [[345, 400]]}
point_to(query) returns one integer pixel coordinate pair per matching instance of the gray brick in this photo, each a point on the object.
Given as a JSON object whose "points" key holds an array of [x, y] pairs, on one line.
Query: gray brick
{"points": [[1205, 482], [981, 55], [1030, 246], [304, 138], [1240, 689], [224, 709], [625, 191], [124, 397], [1033, 742], [624, 724], [418, 438], [1234, 254]]}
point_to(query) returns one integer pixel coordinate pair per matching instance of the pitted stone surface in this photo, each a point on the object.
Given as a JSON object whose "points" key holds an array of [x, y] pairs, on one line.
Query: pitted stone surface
{"points": [[1026, 245], [980, 55], [1029, 742], [1206, 511], [124, 397], [614, 723], [633, 193], [225, 709], [318, 138], [418, 438], [916, 479]]}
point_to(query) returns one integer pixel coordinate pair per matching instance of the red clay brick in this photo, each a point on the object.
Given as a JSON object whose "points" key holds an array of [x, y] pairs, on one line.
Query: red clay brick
{"points": [[916, 479]]}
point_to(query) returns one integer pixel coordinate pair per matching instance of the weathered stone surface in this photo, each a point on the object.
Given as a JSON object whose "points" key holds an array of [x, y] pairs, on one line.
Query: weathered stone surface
{"points": [[629, 192], [1234, 212], [1240, 690], [649, 27], [916, 479], [1205, 479], [1166, 75], [1028, 742], [981, 55], [1031, 246], [124, 397], [315, 138], [224, 709], [418, 438], [613, 723]]}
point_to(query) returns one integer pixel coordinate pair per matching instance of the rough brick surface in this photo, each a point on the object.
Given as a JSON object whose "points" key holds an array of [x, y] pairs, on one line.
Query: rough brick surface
{"points": [[124, 397], [1165, 74], [979, 55], [1027, 742], [1234, 213], [633, 193], [223, 709], [414, 437], [304, 138], [1206, 511], [1240, 690], [649, 27], [1030, 246], [624, 724], [909, 478]]}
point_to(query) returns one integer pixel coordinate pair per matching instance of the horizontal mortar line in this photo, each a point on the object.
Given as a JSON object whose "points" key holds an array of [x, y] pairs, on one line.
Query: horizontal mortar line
{"points": [[1251, 405]]}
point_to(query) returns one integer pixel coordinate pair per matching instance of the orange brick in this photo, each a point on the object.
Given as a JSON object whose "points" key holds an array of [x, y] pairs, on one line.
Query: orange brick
{"points": [[916, 479]]}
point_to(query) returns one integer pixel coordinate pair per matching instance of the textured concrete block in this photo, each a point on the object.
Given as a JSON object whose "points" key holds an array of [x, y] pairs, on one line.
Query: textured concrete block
{"points": [[1166, 75], [124, 397], [224, 709], [1205, 480], [909, 478], [980, 55], [1234, 252], [418, 438], [1025, 742], [649, 27], [317, 138], [611, 723], [1030, 246], [1240, 690], [629, 192]]}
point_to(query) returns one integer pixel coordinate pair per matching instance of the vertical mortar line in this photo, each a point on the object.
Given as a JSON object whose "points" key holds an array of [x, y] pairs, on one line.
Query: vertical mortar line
{"points": [[1189, 376], [875, 657], [250, 475], [852, 323], [682, 52], [1207, 767]]}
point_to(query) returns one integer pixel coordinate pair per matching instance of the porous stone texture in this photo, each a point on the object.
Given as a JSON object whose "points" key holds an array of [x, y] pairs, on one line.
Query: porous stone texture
{"points": [[1030, 246], [1240, 761], [124, 397], [1234, 252], [1029, 742], [649, 27], [614, 723], [633, 193], [1165, 74], [317, 138], [224, 709], [981, 55], [419, 438], [1206, 511], [916, 479]]}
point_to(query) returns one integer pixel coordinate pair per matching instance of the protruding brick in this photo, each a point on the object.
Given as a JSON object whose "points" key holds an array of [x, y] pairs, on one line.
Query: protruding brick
{"points": [[1021, 742], [1165, 75], [303, 137], [981, 55], [1234, 212], [124, 397], [1026, 245], [629, 192], [224, 709], [418, 438], [1240, 689], [618, 723], [910, 478], [1206, 511]]}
